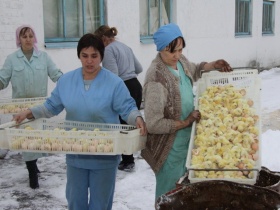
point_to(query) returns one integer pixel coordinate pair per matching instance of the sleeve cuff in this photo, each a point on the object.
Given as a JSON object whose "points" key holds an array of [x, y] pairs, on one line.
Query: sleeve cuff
{"points": [[131, 120], [41, 111]]}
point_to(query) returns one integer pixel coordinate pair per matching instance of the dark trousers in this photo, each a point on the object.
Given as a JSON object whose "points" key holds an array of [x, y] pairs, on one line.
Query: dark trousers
{"points": [[135, 90]]}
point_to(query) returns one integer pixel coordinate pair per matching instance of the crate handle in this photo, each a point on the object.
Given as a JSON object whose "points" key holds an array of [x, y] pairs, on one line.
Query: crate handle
{"points": [[235, 68], [13, 124], [125, 131]]}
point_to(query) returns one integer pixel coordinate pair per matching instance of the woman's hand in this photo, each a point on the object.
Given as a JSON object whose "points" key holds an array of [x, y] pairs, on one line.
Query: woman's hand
{"points": [[193, 116], [222, 65], [141, 124], [18, 118]]}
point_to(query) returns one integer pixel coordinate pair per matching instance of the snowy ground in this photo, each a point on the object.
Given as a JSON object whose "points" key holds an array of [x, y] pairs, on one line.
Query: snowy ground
{"points": [[15, 193], [135, 190]]}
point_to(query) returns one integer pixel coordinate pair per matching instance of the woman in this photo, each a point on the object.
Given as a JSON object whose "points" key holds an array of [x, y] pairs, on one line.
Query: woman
{"points": [[90, 94], [120, 59], [28, 70], [169, 106]]}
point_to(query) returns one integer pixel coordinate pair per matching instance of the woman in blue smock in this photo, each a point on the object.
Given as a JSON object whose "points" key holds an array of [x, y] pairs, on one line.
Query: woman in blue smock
{"points": [[28, 69], [169, 109], [90, 93]]}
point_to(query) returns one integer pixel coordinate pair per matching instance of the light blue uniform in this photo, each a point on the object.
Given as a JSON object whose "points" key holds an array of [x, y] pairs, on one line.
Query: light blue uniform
{"points": [[106, 99], [29, 79], [175, 164]]}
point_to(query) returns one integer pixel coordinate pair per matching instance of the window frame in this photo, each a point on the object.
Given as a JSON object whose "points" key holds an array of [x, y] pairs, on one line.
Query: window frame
{"points": [[239, 19], [146, 39], [268, 5], [65, 42]]}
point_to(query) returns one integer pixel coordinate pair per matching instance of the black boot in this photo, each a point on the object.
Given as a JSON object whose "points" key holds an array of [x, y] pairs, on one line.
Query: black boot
{"points": [[33, 176], [37, 170], [127, 163]]}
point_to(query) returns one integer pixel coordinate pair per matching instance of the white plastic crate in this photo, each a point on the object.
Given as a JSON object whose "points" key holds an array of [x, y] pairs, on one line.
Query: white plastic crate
{"points": [[71, 137], [5, 122], [241, 79], [4, 144], [236, 72], [12, 106]]}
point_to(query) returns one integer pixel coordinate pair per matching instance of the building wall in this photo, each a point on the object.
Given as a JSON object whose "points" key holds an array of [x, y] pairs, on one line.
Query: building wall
{"points": [[209, 32], [208, 28]]}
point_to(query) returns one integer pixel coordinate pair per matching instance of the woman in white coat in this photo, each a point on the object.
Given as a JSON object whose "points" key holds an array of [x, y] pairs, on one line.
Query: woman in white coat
{"points": [[28, 70]]}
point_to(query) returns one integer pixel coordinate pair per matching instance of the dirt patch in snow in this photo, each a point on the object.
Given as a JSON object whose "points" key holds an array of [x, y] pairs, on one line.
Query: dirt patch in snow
{"points": [[271, 120]]}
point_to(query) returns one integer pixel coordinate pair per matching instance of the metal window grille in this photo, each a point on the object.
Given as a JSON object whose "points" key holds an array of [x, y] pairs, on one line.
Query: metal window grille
{"points": [[242, 17], [268, 17], [71, 19], [156, 13]]}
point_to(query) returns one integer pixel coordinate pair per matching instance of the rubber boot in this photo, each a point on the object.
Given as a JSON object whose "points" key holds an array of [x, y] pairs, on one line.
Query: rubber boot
{"points": [[37, 170], [3, 153], [33, 176], [127, 163]]}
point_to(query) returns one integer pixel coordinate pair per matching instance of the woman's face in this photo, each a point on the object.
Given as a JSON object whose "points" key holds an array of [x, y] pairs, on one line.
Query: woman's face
{"points": [[27, 40], [90, 59], [171, 59]]}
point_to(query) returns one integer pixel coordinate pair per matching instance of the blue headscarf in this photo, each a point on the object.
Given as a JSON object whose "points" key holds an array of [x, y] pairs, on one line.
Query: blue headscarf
{"points": [[166, 34]]}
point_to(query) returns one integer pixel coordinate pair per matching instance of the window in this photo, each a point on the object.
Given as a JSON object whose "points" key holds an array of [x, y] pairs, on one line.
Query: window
{"points": [[242, 17], [268, 17], [153, 14], [65, 21]]}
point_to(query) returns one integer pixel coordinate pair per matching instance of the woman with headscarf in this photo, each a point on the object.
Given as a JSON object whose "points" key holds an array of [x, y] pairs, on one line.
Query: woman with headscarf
{"points": [[169, 106], [28, 70]]}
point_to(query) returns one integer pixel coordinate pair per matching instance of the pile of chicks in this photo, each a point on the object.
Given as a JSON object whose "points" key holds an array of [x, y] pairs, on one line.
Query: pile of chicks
{"points": [[17, 107], [71, 141], [227, 136]]}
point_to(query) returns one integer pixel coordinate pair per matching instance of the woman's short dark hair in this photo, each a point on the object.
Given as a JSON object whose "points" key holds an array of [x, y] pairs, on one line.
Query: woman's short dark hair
{"points": [[172, 45], [90, 40]]}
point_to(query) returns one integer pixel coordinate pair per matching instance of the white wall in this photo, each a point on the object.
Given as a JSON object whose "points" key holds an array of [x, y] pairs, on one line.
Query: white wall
{"points": [[124, 15], [208, 28]]}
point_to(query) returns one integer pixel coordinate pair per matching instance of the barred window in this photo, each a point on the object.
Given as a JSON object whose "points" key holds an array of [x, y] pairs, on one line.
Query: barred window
{"points": [[153, 14], [268, 17], [65, 21], [242, 17]]}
